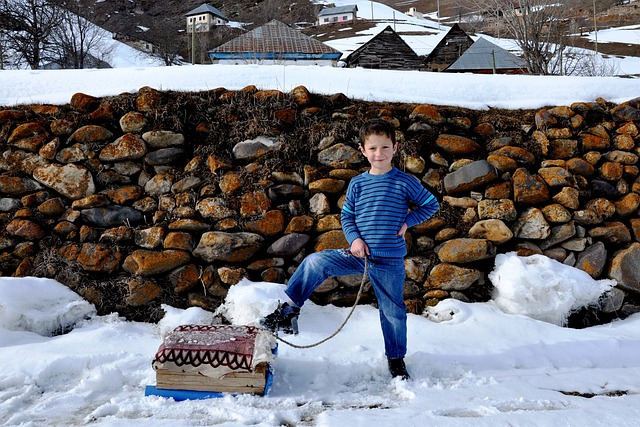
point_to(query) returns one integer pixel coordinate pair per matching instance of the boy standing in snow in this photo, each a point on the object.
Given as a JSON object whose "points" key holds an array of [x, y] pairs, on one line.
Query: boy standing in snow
{"points": [[375, 216]]}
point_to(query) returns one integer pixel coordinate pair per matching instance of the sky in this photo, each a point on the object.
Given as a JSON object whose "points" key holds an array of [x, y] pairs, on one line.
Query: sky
{"points": [[505, 362]]}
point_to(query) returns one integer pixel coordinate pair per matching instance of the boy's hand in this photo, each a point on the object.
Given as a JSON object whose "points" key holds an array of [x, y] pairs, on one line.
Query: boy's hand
{"points": [[359, 248], [402, 230]]}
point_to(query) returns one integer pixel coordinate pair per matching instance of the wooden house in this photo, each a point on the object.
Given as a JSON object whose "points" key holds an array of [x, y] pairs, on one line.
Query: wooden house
{"points": [[454, 43], [385, 51], [274, 43], [484, 57], [203, 17], [334, 15]]}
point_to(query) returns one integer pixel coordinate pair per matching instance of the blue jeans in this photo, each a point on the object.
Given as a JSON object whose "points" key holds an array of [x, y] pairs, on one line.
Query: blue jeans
{"points": [[387, 280]]}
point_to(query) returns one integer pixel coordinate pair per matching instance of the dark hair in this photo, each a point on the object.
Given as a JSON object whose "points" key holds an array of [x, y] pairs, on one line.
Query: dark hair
{"points": [[377, 127]]}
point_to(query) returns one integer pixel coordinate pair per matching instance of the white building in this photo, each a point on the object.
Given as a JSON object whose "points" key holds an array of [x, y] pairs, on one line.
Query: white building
{"points": [[334, 15], [414, 12], [203, 17]]}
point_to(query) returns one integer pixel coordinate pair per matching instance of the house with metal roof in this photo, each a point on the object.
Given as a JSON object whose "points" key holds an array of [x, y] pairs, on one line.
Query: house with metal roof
{"points": [[385, 51], [274, 43], [452, 45], [484, 57], [334, 15], [203, 17]]}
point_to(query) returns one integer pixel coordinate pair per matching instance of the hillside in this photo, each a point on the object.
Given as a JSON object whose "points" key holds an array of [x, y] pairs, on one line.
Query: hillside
{"points": [[162, 22]]}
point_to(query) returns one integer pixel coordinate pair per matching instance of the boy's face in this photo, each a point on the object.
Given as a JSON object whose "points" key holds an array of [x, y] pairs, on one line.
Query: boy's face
{"points": [[379, 151]]}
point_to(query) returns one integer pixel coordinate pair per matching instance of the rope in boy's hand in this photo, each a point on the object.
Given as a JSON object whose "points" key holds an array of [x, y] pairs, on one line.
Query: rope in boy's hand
{"points": [[362, 282]]}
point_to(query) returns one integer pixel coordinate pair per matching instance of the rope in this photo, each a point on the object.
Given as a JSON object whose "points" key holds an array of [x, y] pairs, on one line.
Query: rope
{"points": [[362, 282]]}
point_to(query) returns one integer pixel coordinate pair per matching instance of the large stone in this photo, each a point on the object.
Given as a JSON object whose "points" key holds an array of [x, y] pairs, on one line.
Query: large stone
{"points": [[593, 259], [132, 122], [72, 181], [28, 136], [254, 148], [90, 134], [123, 195], [99, 257], [149, 238], [271, 223], [625, 268], [214, 208], [532, 225], [164, 156], [184, 278], [254, 203], [519, 154], [556, 176], [142, 291], [493, 230], [288, 245], [327, 185], [26, 229], [559, 234], [229, 247], [627, 205], [333, 239], [128, 147], [503, 209], [456, 145], [163, 138], [112, 216], [339, 156], [470, 176], [428, 114], [464, 250], [147, 263], [159, 184], [611, 232], [529, 189], [449, 277], [18, 186], [84, 103]]}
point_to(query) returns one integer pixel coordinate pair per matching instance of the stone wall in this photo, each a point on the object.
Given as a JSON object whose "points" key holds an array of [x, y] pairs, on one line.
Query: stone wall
{"points": [[162, 197]]}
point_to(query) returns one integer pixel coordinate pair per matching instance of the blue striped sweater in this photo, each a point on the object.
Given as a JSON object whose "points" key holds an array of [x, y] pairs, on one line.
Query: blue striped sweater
{"points": [[376, 206]]}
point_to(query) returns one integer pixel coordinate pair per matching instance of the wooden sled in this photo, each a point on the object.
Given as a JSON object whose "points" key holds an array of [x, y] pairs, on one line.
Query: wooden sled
{"points": [[207, 361]]}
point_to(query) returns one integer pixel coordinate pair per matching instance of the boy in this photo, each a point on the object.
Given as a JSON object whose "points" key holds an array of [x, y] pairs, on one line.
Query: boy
{"points": [[375, 217]]}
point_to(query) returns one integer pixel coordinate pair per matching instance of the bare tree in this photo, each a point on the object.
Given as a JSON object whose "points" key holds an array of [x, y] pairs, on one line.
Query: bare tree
{"points": [[76, 42], [27, 26], [167, 41]]}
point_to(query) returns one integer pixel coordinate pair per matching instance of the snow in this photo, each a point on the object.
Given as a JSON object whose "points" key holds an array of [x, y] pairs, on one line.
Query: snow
{"points": [[470, 362], [506, 362]]}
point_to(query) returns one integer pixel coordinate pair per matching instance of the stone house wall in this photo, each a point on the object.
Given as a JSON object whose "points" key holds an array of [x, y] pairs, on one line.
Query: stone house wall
{"points": [[154, 198]]}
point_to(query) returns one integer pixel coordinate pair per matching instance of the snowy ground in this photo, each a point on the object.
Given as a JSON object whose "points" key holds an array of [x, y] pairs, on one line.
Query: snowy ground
{"points": [[471, 364]]}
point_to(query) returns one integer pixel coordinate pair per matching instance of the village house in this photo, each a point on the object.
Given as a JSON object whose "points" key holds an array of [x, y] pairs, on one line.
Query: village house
{"points": [[203, 18], [334, 15], [454, 43], [274, 43], [414, 12], [484, 57], [385, 51]]}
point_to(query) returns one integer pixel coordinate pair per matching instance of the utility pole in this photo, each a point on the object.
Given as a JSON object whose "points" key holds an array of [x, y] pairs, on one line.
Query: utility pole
{"points": [[371, 1], [439, 14], [595, 25], [193, 41]]}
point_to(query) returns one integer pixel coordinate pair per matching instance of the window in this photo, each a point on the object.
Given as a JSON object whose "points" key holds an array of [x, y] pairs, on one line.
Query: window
{"points": [[326, 19], [335, 19], [345, 17]]}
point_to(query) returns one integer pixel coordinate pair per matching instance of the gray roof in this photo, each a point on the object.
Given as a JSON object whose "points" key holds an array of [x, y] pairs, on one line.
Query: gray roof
{"points": [[481, 56], [205, 8], [338, 10], [274, 36]]}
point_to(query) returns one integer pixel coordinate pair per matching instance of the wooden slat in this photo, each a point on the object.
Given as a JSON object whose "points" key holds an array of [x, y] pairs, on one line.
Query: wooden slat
{"points": [[235, 382]]}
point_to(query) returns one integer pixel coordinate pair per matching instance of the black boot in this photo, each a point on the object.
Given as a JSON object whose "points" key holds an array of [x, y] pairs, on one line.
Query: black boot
{"points": [[284, 318], [397, 368]]}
